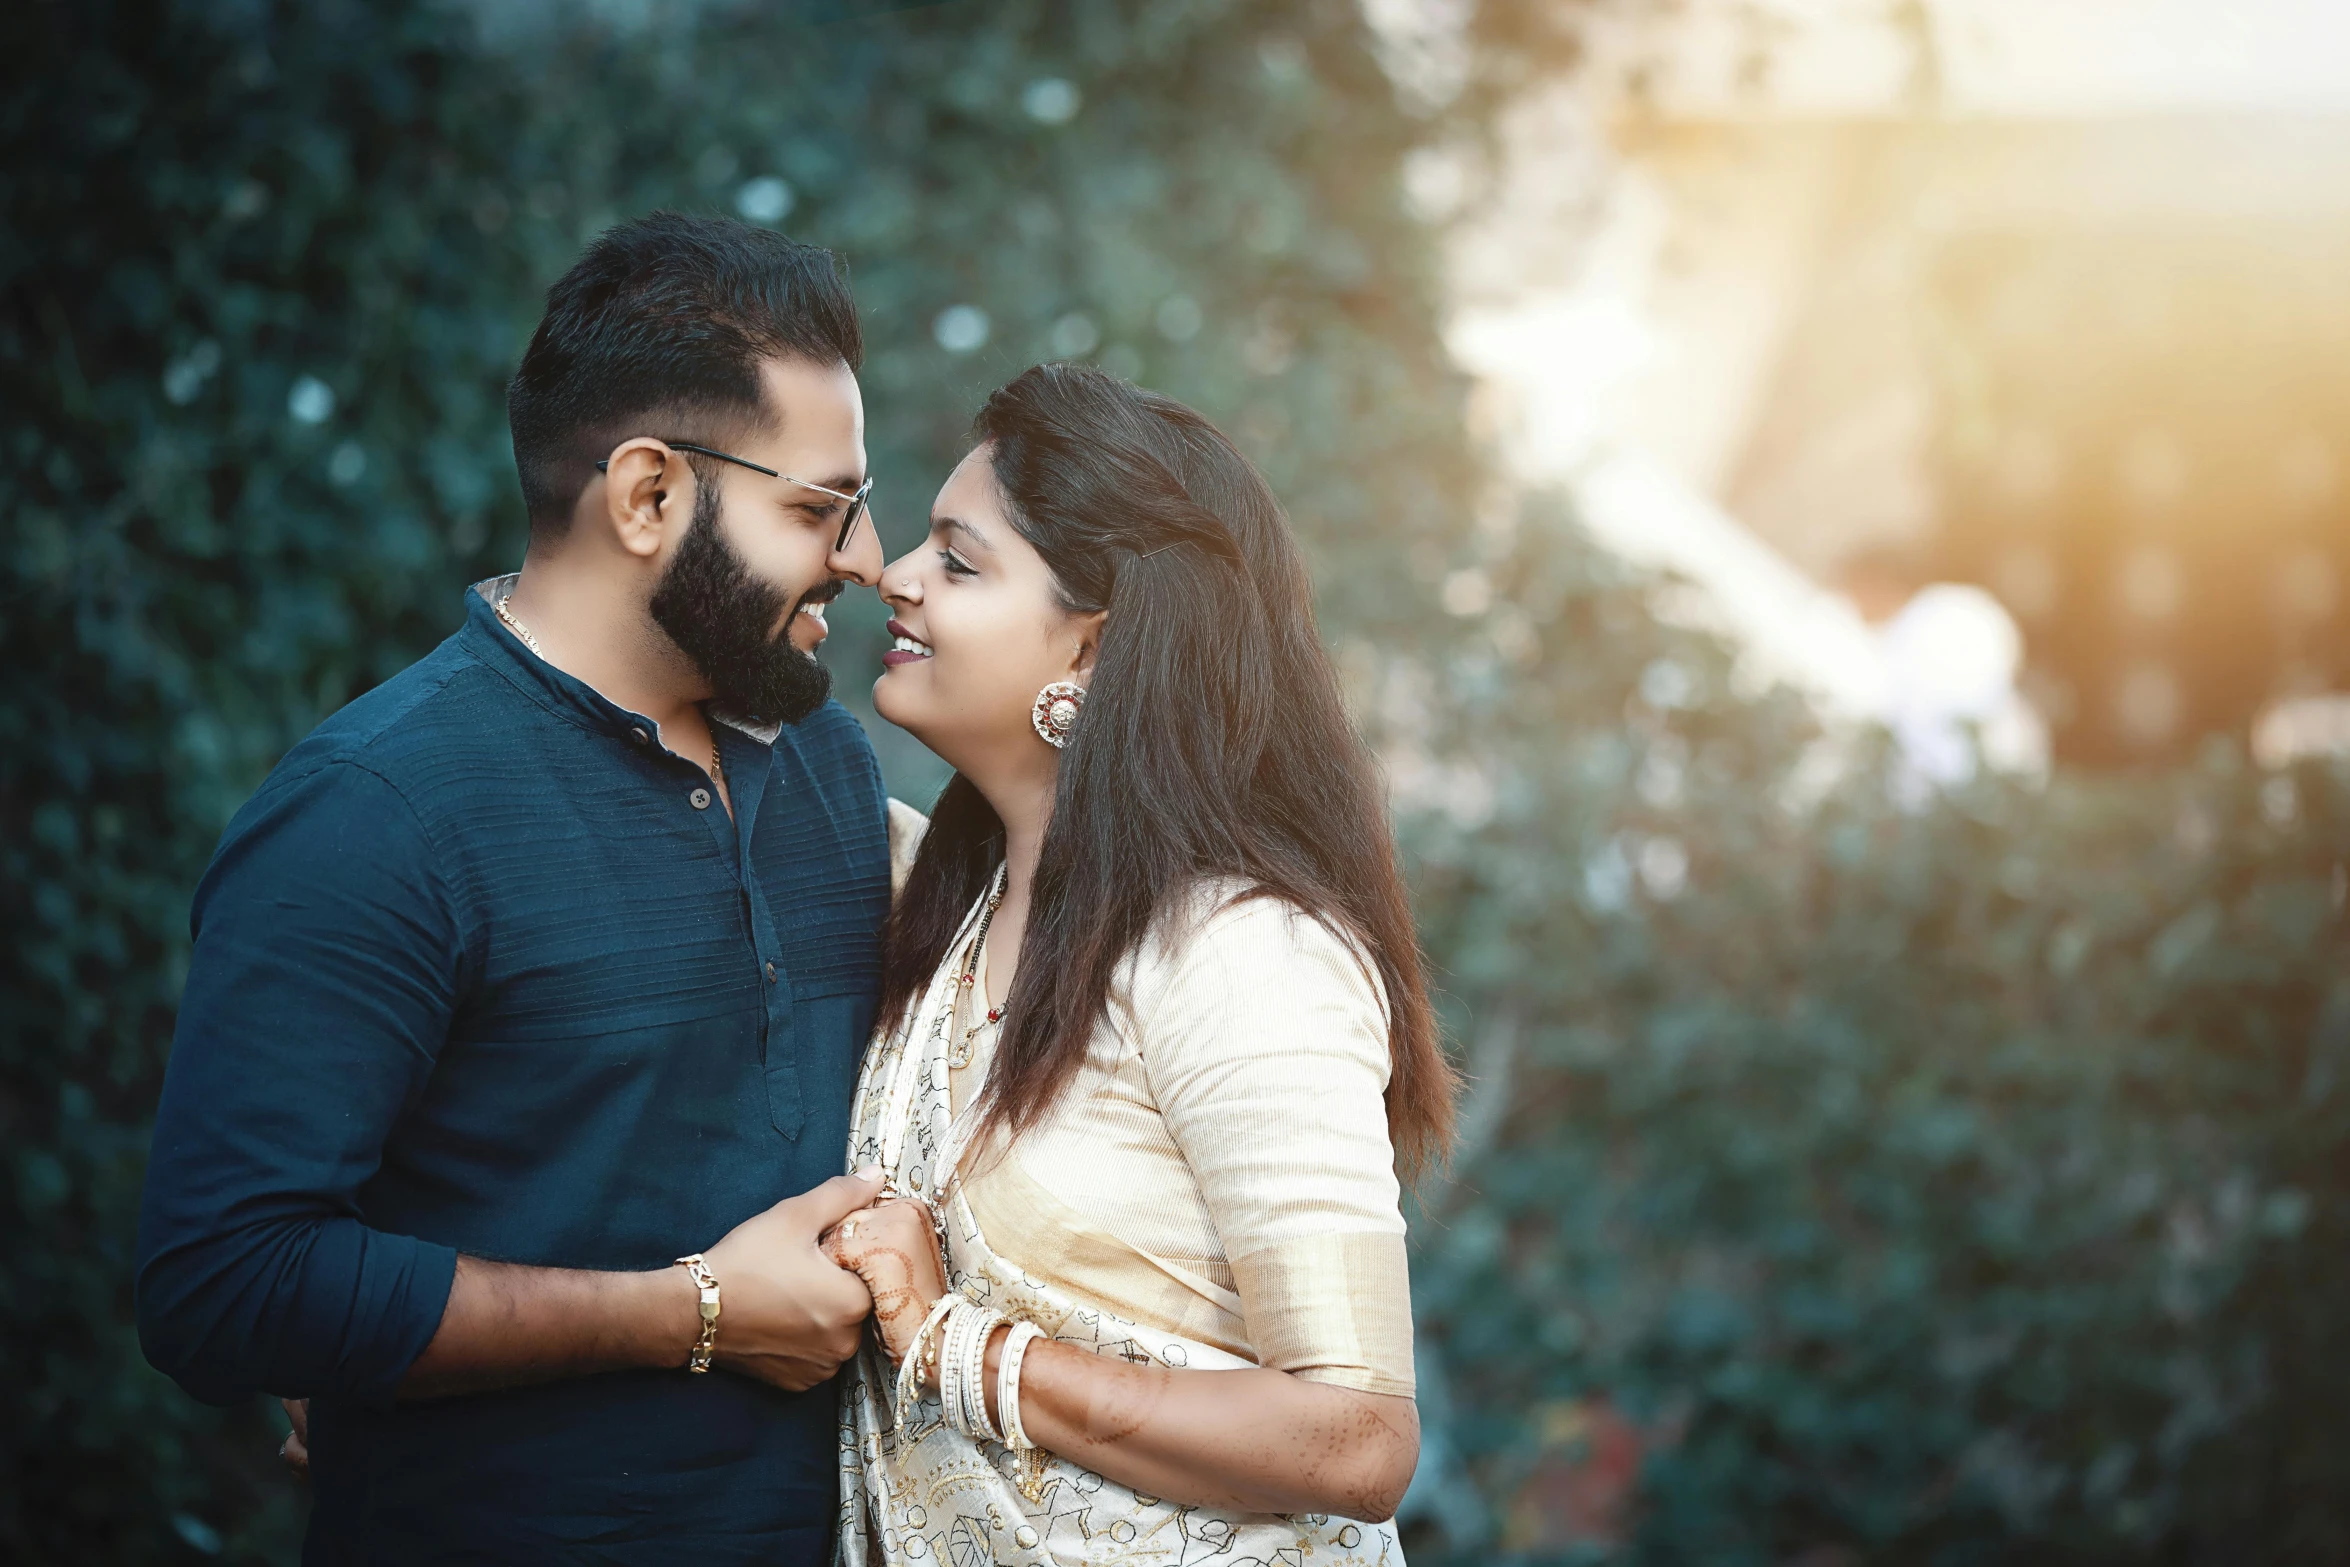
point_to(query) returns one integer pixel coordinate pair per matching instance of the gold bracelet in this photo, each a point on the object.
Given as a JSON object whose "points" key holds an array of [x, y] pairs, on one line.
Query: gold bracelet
{"points": [[707, 1282]]}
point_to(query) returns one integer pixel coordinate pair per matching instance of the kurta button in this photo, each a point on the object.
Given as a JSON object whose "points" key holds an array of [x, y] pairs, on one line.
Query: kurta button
{"points": [[700, 799], [640, 737], [770, 973]]}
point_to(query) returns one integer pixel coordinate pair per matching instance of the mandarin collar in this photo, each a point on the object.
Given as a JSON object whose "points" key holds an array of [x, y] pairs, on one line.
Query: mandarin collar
{"points": [[563, 694]]}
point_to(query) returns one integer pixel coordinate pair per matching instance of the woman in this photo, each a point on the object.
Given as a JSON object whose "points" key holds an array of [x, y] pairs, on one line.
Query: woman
{"points": [[1153, 1032]]}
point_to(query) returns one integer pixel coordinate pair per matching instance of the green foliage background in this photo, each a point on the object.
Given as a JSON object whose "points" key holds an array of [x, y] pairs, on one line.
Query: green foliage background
{"points": [[1935, 1184]]}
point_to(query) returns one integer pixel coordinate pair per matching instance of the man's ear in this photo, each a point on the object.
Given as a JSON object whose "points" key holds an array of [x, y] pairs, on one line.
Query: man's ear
{"points": [[646, 486], [1089, 646]]}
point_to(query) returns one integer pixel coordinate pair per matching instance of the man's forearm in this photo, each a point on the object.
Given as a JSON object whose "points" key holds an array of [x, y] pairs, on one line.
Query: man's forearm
{"points": [[506, 1324]]}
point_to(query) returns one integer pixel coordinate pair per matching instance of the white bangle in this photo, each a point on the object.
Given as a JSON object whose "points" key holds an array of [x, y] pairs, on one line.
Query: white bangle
{"points": [[1007, 1387], [909, 1387], [962, 1368], [950, 1364], [954, 1367], [983, 1423], [960, 1328], [974, 1375]]}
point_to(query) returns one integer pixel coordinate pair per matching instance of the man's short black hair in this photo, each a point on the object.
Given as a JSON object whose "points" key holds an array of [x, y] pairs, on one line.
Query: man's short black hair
{"points": [[660, 330]]}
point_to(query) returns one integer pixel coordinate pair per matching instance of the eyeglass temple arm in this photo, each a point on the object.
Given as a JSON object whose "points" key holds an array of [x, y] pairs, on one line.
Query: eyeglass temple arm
{"points": [[604, 464]]}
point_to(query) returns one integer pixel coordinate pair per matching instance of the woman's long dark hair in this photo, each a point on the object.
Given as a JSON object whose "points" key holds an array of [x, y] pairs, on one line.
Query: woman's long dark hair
{"points": [[1213, 743]]}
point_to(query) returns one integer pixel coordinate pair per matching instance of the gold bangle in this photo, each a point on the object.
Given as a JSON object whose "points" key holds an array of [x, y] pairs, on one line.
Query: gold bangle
{"points": [[707, 1282]]}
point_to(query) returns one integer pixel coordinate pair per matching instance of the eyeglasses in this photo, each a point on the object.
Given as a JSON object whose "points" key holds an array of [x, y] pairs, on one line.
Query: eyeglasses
{"points": [[856, 502]]}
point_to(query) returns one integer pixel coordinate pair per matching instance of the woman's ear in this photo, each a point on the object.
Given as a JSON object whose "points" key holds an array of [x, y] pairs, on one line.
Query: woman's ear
{"points": [[1089, 645]]}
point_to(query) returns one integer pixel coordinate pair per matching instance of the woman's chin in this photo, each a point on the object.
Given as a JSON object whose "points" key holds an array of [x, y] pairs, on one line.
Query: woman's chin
{"points": [[890, 703]]}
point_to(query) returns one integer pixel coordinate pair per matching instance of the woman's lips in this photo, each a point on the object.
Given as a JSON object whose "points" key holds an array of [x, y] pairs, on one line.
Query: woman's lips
{"points": [[906, 648]]}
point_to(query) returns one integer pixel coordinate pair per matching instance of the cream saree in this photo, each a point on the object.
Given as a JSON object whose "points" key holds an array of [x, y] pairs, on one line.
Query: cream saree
{"points": [[928, 1494]]}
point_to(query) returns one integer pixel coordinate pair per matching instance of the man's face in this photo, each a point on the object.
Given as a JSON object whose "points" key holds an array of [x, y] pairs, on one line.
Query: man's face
{"points": [[757, 559]]}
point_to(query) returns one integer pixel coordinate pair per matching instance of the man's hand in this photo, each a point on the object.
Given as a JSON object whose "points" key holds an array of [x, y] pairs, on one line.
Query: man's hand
{"points": [[294, 1451], [788, 1314], [894, 1249]]}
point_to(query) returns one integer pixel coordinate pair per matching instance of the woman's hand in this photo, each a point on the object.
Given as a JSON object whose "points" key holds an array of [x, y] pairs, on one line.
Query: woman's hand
{"points": [[892, 1247]]}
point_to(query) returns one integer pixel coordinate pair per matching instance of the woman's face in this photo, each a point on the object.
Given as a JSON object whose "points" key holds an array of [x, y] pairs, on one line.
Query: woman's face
{"points": [[979, 631]]}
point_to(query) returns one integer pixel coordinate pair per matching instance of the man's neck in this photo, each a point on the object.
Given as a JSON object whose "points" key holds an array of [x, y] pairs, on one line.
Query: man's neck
{"points": [[595, 630]]}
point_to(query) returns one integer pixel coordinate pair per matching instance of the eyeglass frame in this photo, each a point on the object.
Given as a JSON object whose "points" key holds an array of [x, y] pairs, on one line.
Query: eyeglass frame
{"points": [[857, 502]]}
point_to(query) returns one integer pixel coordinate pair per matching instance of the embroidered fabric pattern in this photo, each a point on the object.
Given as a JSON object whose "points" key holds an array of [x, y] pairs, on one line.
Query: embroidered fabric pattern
{"points": [[922, 1491]]}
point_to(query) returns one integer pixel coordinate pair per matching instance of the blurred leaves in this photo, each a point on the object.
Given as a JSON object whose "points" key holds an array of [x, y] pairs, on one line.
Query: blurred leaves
{"points": [[1947, 1180]]}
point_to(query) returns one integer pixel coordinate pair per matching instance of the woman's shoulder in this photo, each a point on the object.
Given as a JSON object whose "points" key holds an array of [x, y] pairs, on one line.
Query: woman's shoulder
{"points": [[1228, 942], [906, 829], [1225, 913]]}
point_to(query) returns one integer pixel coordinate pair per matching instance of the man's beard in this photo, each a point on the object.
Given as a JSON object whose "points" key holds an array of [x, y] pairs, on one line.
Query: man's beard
{"points": [[724, 618]]}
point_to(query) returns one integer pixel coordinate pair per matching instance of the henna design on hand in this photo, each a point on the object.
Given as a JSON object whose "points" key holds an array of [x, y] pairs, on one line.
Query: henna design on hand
{"points": [[897, 1304]]}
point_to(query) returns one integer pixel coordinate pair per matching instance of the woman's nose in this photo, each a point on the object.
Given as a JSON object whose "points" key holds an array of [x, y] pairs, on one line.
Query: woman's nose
{"points": [[901, 582]]}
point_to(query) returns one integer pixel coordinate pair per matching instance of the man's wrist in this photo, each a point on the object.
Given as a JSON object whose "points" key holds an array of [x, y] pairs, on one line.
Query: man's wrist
{"points": [[671, 1317], [706, 1302]]}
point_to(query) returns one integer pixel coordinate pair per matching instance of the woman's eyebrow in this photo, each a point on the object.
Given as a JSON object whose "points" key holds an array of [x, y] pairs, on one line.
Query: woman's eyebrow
{"points": [[953, 524]]}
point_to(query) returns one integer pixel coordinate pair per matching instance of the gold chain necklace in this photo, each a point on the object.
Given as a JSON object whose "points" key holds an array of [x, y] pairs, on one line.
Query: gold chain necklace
{"points": [[960, 1056], [717, 763], [517, 627]]}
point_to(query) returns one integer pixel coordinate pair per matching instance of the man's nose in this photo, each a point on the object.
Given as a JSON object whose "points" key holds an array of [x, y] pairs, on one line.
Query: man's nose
{"points": [[861, 561]]}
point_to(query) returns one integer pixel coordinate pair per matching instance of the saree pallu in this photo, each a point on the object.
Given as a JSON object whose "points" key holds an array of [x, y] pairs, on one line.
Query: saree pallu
{"points": [[928, 1495]]}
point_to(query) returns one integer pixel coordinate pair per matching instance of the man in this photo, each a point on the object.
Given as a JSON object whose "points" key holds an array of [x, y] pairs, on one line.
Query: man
{"points": [[548, 962]]}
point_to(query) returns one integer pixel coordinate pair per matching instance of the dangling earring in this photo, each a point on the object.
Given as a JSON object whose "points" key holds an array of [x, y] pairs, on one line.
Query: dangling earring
{"points": [[1055, 712]]}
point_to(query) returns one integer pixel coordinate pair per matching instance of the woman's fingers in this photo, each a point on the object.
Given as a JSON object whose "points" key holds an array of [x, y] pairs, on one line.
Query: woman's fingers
{"points": [[896, 1223], [893, 1248]]}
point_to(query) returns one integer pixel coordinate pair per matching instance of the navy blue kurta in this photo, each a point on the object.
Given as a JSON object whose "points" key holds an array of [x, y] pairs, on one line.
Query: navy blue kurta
{"points": [[484, 968]]}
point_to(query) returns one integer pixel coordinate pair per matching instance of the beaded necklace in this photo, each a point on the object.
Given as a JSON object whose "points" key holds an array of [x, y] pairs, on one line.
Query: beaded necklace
{"points": [[968, 981]]}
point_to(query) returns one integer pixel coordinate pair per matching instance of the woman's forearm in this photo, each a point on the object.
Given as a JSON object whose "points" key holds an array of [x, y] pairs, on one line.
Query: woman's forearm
{"points": [[1250, 1440]]}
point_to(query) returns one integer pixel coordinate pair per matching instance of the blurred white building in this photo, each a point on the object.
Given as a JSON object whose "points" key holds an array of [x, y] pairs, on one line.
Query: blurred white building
{"points": [[2073, 329]]}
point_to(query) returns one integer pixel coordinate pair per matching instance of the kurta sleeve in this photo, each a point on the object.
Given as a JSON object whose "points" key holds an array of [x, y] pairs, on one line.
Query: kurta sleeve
{"points": [[319, 994], [1266, 1046]]}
